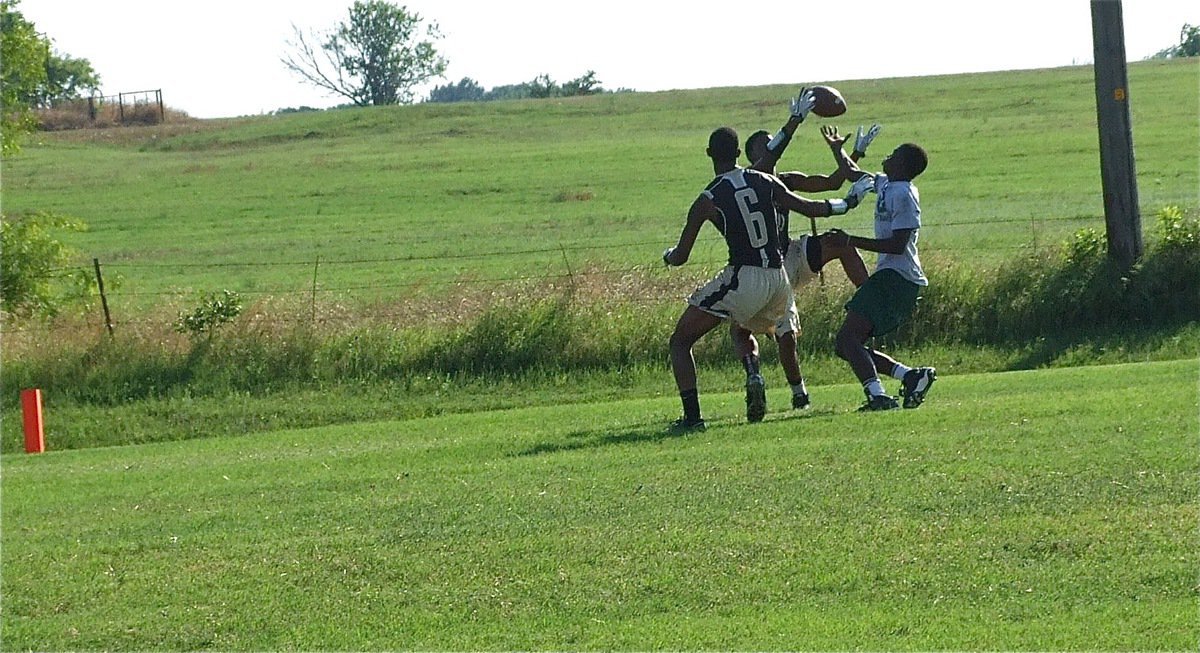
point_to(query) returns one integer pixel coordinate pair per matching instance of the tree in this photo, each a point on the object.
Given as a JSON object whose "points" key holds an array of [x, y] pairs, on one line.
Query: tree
{"points": [[508, 92], [466, 90], [66, 79], [543, 87], [373, 59], [23, 53], [586, 85], [1189, 44]]}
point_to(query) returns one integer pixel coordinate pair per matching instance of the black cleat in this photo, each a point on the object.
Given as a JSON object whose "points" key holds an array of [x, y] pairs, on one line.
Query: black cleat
{"points": [[685, 425], [916, 385], [756, 398], [880, 402], [800, 401]]}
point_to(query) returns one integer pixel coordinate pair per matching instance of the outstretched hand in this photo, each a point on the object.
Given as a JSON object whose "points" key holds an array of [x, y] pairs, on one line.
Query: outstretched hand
{"points": [[863, 139], [803, 103], [835, 140], [859, 189]]}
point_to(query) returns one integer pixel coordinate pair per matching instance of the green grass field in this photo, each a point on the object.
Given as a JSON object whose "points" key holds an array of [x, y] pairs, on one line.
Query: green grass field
{"points": [[537, 507], [1040, 510]]}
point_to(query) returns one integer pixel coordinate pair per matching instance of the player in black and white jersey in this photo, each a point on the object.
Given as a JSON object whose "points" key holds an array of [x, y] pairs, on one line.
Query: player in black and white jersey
{"points": [[753, 289], [806, 255]]}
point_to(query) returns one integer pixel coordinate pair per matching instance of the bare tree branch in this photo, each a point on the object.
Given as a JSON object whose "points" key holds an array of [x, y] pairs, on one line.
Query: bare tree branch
{"points": [[306, 63], [374, 58]]}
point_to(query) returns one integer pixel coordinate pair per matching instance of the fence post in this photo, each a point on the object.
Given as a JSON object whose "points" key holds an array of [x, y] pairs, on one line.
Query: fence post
{"points": [[103, 297], [316, 265]]}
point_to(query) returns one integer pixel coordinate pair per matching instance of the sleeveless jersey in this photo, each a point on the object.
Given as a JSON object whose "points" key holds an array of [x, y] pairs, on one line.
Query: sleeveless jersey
{"points": [[750, 222]]}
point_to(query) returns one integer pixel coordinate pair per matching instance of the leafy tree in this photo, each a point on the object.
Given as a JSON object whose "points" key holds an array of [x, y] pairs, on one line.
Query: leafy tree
{"points": [[23, 56], [34, 279], [466, 90], [1189, 44], [375, 58], [66, 79], [543, 87], [508, 92], [586, 85]]}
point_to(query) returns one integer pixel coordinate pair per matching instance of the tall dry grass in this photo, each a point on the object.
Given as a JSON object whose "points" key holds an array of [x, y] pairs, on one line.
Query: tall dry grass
{"points": [[81, 114]]}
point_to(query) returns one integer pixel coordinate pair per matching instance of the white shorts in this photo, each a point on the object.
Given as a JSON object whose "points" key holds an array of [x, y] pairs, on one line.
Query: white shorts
{"points": [[753, 297], [795, 262]]}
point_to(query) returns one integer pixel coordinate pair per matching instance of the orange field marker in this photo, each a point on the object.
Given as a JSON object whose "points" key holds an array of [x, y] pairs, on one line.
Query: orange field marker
{"points": [[31, 409]]}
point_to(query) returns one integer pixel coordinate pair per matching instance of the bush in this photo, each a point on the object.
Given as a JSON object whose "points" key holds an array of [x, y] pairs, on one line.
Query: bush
{"points": [[1078, 289], [215, 310], [34, 276], [1067, 295]]}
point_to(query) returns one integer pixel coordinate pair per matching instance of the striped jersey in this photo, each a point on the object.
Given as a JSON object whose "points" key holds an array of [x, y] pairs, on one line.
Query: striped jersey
{"points": [[749, 221]]}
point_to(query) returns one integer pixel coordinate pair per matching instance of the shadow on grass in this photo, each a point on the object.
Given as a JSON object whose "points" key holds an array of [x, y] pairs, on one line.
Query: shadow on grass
{"points": [[593, 438], [656, 432], [1077, 347]]}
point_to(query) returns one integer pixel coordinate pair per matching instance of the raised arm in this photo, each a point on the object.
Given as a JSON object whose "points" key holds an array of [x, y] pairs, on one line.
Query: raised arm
{"points": [[804, 183], [799, 108]]}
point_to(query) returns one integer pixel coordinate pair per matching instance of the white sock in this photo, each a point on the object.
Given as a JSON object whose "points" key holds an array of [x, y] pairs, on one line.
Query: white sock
{"points": [[874, 387], [799, 389], [900, 370]]}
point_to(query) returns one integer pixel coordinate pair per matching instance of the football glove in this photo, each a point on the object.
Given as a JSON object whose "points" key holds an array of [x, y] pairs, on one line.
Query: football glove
{"points": [[859, 189], [803, 103], [863, 139]]}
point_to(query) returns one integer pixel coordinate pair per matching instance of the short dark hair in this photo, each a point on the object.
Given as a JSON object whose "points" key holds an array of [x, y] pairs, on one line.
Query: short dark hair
{"points": [[760, 135], [914, 159], [723, 144]]}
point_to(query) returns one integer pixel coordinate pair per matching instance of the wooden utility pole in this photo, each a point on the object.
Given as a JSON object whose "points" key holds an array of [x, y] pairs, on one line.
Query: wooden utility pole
{"points": [[1117, 172]]}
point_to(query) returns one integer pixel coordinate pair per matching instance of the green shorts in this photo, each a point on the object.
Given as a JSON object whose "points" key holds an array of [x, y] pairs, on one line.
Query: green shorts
{"points": [[886, 299]]}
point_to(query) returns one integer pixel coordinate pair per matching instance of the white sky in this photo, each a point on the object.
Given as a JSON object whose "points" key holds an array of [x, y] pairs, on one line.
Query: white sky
{"points": [[221, 58]]}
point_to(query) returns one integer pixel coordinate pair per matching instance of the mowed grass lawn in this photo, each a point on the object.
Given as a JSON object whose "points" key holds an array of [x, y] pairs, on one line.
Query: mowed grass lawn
{"points": [[1047, 510]]}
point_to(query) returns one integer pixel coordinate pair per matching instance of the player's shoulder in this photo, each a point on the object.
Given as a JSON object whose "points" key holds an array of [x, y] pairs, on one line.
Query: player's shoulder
{"points": [[759, 174], [762, 179], [713, 184]]}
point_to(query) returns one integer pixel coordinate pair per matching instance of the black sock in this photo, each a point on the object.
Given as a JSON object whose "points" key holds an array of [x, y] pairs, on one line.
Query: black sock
{"points": [[691, 404], [750, 362]]}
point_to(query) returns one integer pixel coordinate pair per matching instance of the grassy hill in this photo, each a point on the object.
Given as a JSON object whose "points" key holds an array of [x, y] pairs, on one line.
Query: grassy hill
{"points": [[1042, 510], [456, 200]]}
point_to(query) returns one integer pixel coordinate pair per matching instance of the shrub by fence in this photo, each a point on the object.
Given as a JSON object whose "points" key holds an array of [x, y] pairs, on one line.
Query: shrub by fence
{"points": [[135, 108]]}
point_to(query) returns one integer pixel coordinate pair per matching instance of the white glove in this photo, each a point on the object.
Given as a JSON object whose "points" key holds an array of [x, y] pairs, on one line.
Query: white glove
{"points": [[863, 139], [803, 103], [860, 188], [666, 253]]}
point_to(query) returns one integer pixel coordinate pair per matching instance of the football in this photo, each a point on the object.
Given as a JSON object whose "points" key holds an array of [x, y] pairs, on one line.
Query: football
{"points": [[830, 102]]}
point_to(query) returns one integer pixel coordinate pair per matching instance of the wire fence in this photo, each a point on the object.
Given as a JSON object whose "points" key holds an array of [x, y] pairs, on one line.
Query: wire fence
{"points": [[562, 268]]}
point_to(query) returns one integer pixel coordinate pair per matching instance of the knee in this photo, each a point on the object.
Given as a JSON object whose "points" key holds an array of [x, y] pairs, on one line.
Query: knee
{"points": [[786, 341]]}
